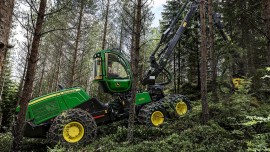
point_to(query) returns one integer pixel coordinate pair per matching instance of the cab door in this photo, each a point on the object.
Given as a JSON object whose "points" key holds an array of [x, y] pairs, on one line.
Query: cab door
{"points": [[118, 73]]}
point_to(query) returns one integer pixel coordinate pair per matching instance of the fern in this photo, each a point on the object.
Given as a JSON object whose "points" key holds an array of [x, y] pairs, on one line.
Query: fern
{"points": [[260, 142], [253, 120]]}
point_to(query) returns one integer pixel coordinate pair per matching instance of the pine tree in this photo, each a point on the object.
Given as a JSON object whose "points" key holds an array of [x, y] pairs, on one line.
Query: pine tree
{"points": [[135, 48], [266, 17], [6, 12], [8, 92], [30, 75], [139, 18], [212, 51], [203, 49]]}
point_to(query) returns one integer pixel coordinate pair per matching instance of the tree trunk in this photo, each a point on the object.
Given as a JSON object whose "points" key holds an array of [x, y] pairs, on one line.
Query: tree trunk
{"points": [[266, 16], [50, 83], [75, 53], [174, 73], [100, 93], [179, 77], [121, 35], [135, 54], [53, 86], [20, 88], [29, 80], [205, 111], [81, 70], [29, 37], [250, 55], [2, 82], [198, 61], [59, 62], [105, 25], [42, 76], [6, 11], [213, 57]]}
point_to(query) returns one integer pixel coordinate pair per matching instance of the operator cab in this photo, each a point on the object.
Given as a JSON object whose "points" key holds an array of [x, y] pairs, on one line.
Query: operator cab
{"points": [[112, 71]]}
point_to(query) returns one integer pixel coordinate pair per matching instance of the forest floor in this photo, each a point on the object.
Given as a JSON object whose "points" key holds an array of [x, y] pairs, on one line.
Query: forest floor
{"points": [[238, 124]]}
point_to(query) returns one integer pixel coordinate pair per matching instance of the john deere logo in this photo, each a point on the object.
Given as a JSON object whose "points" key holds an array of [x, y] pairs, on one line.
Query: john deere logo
{"points": [[117, 84], [141, 99]]}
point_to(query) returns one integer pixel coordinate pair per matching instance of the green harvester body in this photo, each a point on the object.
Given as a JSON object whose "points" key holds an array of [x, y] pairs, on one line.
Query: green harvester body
{"points": [[46, 107], [113, 73]]}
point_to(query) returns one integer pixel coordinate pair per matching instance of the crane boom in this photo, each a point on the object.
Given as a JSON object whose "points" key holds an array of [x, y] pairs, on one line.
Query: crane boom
{"points": [[157, 65]]}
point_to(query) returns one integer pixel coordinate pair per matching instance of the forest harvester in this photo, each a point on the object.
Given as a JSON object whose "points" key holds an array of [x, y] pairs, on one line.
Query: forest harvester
{"points": [[70, 116]]}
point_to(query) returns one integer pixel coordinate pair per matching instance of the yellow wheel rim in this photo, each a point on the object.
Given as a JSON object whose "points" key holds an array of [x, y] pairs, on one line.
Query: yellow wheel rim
{"points": [[157, 118], [73, 132], [181, 108]]}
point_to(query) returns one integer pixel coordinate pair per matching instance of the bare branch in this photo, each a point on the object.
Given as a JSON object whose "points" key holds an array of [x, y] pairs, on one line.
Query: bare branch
{"points": [[58, 10], [32, 19], [64, 29], [126, 23], [22, 24], [68, 43], [144, 3], [259, 30], [32, 6]]}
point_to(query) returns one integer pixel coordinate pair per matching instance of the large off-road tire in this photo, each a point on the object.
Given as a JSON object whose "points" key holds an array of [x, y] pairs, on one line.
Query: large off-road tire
{"points": [[74, 127], [177, 105], [171, 106], [153, 114]]}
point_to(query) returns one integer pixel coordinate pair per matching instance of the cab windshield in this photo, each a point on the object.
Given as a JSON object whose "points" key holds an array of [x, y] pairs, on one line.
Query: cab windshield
{"points": [[116, 68]]}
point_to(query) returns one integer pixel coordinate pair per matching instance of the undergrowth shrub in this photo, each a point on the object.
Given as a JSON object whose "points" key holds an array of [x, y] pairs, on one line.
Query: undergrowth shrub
{"points": [[5, 141], [261, 139], [210, 137]]}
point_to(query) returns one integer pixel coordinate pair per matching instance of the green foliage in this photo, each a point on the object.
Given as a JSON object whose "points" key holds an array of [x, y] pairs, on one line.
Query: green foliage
{"points": [[172, 136], [8, 99], [230, 55], [242, 94], [256, 128], [5, 140], [222, 133], [191, 90], [260, 142], [9, 102], [255, 120], [59, 148], [262, 87]]}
